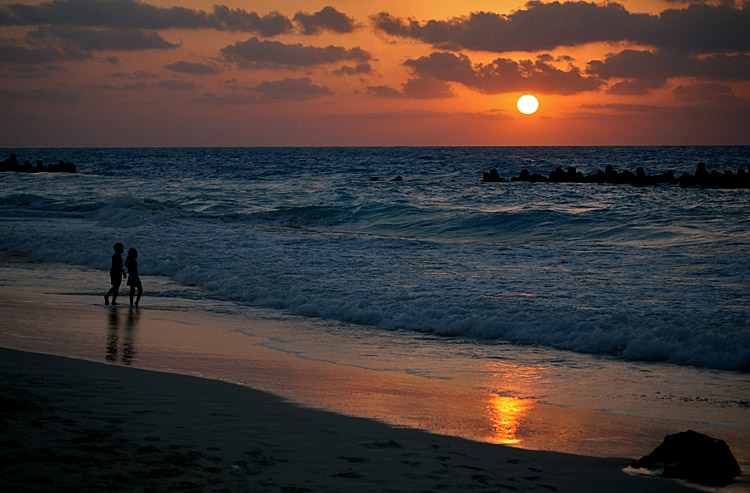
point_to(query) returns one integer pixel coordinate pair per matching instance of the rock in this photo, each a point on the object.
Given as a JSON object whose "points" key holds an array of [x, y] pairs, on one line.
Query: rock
{"points": [[12, 164], [492, 176], [693, 456], [398, 178]]}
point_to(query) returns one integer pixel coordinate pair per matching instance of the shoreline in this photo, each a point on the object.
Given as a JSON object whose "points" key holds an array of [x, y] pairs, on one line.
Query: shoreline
{"points": [[173, 336], [78, 424]]}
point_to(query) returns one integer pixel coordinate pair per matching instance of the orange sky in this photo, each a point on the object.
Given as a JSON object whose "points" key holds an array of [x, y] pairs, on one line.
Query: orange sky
{"points": [[353, 72]]}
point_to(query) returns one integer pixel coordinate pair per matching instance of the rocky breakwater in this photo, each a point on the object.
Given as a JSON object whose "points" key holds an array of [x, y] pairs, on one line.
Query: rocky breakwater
{"points": [[12, 164], [701, 178]]}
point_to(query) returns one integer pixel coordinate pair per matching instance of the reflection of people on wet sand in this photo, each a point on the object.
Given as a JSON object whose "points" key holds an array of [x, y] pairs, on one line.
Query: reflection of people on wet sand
{"points": [[116, 274], [113, 336], [134, 280]]}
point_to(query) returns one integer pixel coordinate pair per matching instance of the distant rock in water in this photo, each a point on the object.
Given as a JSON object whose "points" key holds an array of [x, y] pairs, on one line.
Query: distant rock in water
{"points": [[492, 176], [702, 178], [12, 164], [693, 456]]}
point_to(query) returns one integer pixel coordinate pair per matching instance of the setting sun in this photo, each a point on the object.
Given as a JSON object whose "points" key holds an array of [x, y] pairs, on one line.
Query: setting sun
{"points": [[527, 104]]}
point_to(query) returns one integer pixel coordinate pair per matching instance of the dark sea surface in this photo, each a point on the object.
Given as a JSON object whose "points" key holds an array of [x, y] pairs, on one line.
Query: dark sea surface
{"points": [[637, 273]]}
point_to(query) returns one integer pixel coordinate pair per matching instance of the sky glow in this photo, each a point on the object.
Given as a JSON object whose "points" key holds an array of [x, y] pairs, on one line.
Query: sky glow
{"points": [[202, 73]]}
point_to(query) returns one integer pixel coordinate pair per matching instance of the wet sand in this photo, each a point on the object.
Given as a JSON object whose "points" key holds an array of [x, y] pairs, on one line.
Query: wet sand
{"points": [[160, 430], [83, 426]]}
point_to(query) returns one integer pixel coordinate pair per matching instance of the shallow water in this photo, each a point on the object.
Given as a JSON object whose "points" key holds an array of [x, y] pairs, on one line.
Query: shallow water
{"points": [[655, 274], [525, 396]]}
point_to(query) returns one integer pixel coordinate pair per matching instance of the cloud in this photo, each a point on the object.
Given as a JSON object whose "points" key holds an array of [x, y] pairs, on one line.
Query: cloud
{"points": [[176, 85], [87, 40], [133, 14], [291, 89], [362, 68], [415, 88], [636, 87], [256, 54], [384, 92], [328, 19], [137, 75], [536, 28], [268, 25], [504, 75], [11, 53], [192, 68], [645, 70], [709, 91], [699, 28], [127, 14]]}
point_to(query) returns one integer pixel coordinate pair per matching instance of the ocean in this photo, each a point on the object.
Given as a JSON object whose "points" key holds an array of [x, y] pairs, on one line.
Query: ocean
{"points": [[654, 274]]}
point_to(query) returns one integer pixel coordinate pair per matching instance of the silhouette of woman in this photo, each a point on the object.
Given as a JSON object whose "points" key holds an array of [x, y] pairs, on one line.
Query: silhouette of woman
{"points": [[134, 280]]}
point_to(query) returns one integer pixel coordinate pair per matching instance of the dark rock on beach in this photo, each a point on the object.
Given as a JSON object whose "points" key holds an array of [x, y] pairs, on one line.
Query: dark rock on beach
{"points": [[693, 456], [12, 164]]}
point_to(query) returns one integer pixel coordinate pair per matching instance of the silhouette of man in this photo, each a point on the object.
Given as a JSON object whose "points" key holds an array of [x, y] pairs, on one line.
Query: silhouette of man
{"points": [[116, 274]]}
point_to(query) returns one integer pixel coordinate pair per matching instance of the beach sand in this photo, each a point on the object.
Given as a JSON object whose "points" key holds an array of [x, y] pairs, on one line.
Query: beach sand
{"points": [[73, 425], [77, 414]]}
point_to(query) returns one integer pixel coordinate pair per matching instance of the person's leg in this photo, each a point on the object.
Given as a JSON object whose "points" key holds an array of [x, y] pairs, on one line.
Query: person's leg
{"points": [[115, 291], [140, 293], [132, 293]]}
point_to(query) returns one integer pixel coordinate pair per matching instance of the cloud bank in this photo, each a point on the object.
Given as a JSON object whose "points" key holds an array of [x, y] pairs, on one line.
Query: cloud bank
{"points": [[699, 28], [257, 54]]}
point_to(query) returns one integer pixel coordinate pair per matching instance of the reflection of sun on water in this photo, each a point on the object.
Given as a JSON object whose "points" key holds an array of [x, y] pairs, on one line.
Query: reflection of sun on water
{"points": [[505, 416]]}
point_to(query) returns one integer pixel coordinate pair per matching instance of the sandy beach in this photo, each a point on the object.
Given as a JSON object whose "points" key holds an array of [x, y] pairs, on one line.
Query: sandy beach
{"points": [[137, 416], [74, 425]]}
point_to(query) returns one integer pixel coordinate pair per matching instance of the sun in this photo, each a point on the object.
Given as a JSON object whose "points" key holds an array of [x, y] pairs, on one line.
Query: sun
{"points": [[527, 104]]}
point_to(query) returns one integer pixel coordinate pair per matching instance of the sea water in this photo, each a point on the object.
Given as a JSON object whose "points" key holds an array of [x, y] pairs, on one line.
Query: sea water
{"points": [[658, 274]]}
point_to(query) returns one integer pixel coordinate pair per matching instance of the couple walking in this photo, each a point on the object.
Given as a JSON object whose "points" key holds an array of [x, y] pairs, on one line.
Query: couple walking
{"points": [[117, 274]]}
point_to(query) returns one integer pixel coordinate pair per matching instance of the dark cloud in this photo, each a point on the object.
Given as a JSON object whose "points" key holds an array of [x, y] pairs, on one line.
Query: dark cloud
{"points": [[328, 19], [541, 26], [51, 44], [362, 68], [132, 14], [176, 85], [128, 14], [12, 53], [654, 68], [291, 89], [701, 28], [536, 28], [88, 40], [192, 68], [240, 20], [137, 75], [384, 92], [254, 53], [704, 91], [636, 87], [288, 89], [503, 75], [415, 88]]}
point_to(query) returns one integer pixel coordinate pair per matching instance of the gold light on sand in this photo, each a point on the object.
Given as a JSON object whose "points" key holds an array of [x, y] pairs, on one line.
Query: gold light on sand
{"points": [[527, 104], [505, 414]]}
